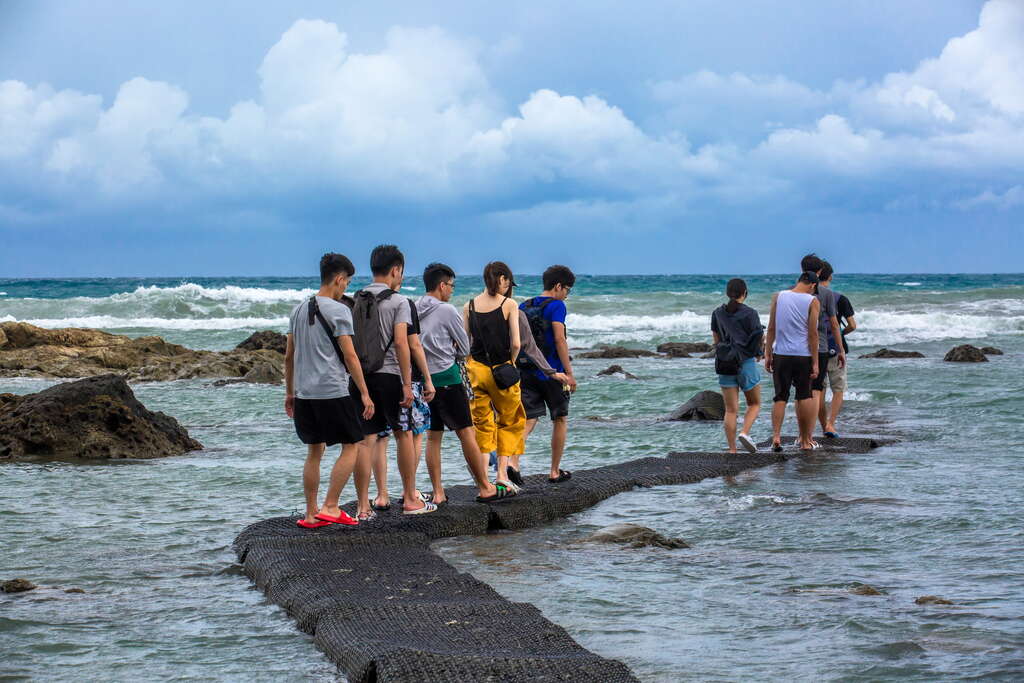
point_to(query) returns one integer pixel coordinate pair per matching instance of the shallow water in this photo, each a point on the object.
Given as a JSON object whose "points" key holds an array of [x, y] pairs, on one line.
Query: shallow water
{"points": [[763, 591]]}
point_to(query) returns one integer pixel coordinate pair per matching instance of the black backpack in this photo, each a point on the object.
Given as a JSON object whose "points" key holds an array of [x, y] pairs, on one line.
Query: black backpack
{"points": [[727, 357], [368, 338], [539, 325]]}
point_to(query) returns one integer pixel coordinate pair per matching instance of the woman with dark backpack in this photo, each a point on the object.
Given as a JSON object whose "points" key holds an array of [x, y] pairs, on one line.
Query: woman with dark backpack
{"points": [[492, 321], [738, 334]]}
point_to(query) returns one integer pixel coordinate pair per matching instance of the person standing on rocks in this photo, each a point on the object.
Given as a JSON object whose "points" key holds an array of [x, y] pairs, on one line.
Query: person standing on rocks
{"points": [[791, 355], [546, 315], [445, 342], [828, 324], [318, 358], [382, 321], [738, 335], [836, 370]]}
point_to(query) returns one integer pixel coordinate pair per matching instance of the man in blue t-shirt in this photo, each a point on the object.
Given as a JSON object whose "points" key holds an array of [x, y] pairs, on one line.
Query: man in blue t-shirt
{"points": [[546, 315]]}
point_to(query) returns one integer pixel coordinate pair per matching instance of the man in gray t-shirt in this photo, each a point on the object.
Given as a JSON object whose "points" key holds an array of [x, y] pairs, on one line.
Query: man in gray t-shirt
{"points": [[827, 299], [393, 311], [318, 371]]}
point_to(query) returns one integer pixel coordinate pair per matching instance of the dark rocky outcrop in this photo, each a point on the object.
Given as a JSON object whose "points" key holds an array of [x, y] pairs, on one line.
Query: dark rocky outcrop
{"points": [[707, 405], [865, 589], [892, 353], [17, 586], [264, 340], [30, 351], [991, 351], [932, 600], [965, 353], [614, 352], [261, 373], [97, 417], [683, 349], [616, 370], [636, 536]]}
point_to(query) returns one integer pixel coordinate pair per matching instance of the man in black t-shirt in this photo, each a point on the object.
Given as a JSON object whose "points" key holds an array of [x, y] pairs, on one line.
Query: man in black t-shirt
{"points": [[836, 372]]}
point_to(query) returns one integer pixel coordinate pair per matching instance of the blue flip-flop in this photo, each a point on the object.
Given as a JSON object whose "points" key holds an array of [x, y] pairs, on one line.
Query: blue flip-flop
{"points": [[831, 435]]}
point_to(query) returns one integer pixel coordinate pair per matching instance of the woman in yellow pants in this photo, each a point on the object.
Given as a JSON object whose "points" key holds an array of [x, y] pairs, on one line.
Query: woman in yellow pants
{"points": [[492, 321]]}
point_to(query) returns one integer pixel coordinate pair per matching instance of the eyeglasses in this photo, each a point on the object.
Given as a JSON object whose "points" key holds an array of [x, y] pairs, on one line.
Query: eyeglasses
{"points": [[450, 283]]}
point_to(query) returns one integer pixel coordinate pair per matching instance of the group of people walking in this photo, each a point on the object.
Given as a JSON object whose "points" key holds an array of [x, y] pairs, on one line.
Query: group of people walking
{"points": [[361, 369], [804, 348]]}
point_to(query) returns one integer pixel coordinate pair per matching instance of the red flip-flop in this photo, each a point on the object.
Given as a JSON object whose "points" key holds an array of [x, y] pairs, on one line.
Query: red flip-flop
{"points": [[311, 525], [342, 518]]}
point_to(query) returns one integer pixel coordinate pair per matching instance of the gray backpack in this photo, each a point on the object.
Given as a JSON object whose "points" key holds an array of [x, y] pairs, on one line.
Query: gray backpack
{"points": [[368, 338]]}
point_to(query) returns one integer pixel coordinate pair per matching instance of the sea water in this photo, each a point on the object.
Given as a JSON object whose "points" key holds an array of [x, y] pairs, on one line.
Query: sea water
{"points": [[764, 591]]}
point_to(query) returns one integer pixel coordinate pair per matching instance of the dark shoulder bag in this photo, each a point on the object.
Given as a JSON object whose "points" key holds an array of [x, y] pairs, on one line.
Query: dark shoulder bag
{"points": [[505, 374]]}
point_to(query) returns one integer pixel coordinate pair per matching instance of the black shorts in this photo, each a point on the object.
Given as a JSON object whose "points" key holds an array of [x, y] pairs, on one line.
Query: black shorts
{"points": [[539, 394], [450, 408], [792, 371], [327, 420], [386, 394], [818, 383]]}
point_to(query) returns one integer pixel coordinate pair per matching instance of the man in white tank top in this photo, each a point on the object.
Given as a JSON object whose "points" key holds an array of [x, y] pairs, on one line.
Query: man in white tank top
{"points": [[791, 355]]}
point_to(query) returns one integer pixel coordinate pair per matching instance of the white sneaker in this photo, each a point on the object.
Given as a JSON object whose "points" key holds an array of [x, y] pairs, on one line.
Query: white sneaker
{"points": [[748, 443]]}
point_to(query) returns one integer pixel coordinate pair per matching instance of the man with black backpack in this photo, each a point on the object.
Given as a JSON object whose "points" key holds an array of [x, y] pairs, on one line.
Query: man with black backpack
{"points": [[382, 319], [546, 315], [318, 392]]}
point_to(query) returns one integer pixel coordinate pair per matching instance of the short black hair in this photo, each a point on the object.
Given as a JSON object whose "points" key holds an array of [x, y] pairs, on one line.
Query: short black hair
{"points": [[809, 277], [558, 275], [825, 273], [435, 274], [384, 257], [811, 262], [332, 265]]}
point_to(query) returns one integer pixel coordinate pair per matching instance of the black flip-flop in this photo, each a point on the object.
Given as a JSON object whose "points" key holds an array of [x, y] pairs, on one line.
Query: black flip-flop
{"points": [[381, 508], [562, 476], [502, 494], [515, 477]]}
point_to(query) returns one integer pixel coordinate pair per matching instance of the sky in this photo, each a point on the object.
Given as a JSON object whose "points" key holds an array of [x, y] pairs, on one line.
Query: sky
{"points": [[240, 138]]}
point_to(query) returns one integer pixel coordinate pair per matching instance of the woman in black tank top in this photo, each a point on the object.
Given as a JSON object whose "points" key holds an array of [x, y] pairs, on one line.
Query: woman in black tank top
{"points": [[492, 321]]}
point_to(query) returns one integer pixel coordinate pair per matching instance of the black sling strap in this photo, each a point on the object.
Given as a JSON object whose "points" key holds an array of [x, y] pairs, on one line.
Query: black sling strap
{"points": [[314, 312]]}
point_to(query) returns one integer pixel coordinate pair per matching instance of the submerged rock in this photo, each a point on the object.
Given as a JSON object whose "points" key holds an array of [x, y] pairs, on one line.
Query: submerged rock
{"points": [[73, 590], [965, 353], [613, 352], [30, 351], [98, 417], [261, 373], [683, 349], [865, 589], [616, 370], [892, 353], [991, 351], [266, 339], [635, 536], [17, 586], [707, 405], [932, 600]]}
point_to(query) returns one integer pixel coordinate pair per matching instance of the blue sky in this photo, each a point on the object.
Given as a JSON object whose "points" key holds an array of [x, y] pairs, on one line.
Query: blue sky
{"points": [[646, 137]]}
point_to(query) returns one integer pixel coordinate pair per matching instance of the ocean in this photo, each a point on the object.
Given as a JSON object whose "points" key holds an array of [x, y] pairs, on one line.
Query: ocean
{"points": [[764, 591]]}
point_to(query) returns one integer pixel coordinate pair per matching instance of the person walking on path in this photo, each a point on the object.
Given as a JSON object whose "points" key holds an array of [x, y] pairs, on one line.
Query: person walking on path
{"points": [[836, 372], [791, 355], [319, 354], [492, 322], [828, 325], [737, 332]]}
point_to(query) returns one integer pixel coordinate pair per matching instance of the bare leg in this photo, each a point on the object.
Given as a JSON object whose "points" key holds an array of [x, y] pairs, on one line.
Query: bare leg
{"points": [[502, 468], [340, 474], [753, 408], [363, 468], [822, 410], [805, 413], [732, 408], [837, 405], [475, 461], [434, 464], [559, 432], [407, 469], [380, 470], [778, 415], [311, 478]]}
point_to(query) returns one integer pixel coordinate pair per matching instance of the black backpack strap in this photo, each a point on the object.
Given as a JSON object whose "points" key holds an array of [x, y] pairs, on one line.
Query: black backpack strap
{"points": [[314, 312], [384, 296]]}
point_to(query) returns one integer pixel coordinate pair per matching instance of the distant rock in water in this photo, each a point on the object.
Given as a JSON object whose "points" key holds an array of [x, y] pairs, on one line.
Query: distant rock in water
{"points": [[892, 353], [98, 417], [965, 353], [707, 405], [865, 589], [616, 370], [17, 586], [613, 352], [266, 339], [991, 351], [932, 600], [636, 536], [683, 349], [30, 351], [261, 373]]}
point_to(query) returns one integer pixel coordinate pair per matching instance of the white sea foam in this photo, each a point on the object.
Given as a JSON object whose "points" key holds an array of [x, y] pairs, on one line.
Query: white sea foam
{"points": [[408, 289], [3, 293], [107, 322], [686, 321], [911, 284], [228, 293]]}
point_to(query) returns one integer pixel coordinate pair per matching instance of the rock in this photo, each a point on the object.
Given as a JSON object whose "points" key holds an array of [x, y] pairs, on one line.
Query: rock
{"points": [[892, 353], [17, 586], [932, 600], [261, 373], [684, 349], [98, 417], [267, 339], [991, 351], [73, 590], [617, 370], [709, 354], [635, 536], [613, 352], [965, 353], [29, 351], [706, 405], [865, 589]]}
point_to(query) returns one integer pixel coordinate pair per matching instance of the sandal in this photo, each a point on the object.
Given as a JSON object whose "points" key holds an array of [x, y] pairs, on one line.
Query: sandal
{"points": [[507, 484], [562, 476], [515, 477], [312, 525], [502, 493], [424, 498], [427, 507], [367, 516], [776, 447], [382, 508]]}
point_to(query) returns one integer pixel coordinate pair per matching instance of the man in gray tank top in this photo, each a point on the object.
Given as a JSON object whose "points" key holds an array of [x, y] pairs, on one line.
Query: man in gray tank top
{"points": [[791, 355]]}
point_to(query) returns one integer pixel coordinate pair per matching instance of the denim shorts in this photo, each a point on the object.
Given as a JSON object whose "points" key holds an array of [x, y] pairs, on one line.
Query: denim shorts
{"points": [[749, 377]]}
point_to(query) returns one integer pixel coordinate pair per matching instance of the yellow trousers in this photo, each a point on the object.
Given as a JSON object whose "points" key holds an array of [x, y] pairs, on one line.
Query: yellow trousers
{"points": [[498, 414]]}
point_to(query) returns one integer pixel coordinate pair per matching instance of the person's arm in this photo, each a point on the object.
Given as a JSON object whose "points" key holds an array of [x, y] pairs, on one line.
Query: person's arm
{"points": [[837, 335], [812, 334], [420, 358], [714, 338], [457, 330], [355, 370], [465, 321], [851, 326], [401, 345], [769, 340], [512, 316], [562, 348], [289, 377]]}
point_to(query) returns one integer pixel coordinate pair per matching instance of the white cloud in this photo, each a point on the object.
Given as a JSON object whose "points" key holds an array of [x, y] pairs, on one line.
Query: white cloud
{"points": [[1012, 197]]}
